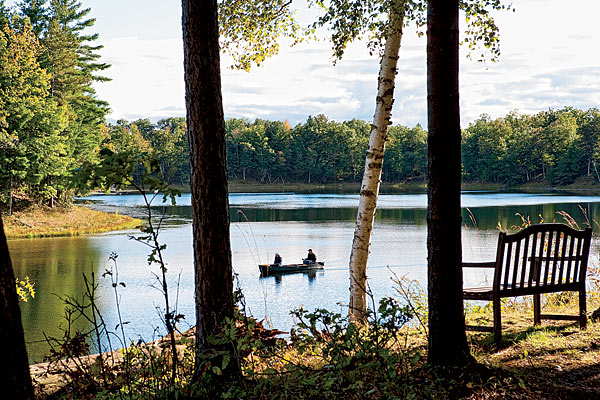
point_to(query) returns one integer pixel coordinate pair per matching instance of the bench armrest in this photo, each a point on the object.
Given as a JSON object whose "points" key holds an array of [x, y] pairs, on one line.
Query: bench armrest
{"points": [[490, 264]]}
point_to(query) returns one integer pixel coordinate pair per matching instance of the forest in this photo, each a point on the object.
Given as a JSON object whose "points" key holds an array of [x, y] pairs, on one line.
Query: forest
{"points": [[555, 147], [51, 120]]}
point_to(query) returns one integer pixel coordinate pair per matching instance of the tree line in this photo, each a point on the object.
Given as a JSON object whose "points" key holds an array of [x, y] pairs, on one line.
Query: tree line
{"points": [[50, 116], [553, 146]]}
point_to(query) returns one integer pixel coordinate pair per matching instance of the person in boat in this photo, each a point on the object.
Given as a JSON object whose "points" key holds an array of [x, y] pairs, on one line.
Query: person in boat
{"points": [[311, 258], [277, 260]]}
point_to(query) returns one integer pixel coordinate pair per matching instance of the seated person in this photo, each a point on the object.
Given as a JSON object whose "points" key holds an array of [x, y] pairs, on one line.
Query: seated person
{"points": [[311, 258], [277, 260]]}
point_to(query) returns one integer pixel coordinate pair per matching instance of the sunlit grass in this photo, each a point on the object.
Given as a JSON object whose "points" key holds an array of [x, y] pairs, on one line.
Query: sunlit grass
{"points": [[74, 221]]}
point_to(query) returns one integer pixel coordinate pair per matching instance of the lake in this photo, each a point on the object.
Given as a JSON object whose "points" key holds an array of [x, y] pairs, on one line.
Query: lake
{"points": [[262, 224]]}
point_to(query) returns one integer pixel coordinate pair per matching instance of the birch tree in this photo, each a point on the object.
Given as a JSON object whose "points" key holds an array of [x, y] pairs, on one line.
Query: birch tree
{"points": [[382, 23]]}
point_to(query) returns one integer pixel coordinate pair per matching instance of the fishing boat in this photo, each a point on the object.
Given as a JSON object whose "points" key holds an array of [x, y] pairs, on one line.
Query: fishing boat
{"points": [[274, 269]]}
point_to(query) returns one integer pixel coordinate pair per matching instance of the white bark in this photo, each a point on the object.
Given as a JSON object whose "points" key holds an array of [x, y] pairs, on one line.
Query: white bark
{"points": [[372, 175]]}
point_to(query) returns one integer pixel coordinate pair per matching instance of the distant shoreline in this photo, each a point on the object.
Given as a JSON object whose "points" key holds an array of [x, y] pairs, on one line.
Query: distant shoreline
{"points": [[240, 186]]}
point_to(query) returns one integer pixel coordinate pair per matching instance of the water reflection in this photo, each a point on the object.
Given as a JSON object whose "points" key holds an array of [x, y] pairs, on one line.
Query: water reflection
{"points": [[482, 217], [288, 224], [278, 278], [56, 266]]}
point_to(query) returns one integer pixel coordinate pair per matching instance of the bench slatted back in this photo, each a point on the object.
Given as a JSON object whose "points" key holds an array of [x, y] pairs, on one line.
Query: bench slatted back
{"points": [[541, 257]]}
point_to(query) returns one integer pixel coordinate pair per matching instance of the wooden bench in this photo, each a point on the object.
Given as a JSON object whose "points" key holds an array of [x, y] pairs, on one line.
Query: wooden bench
{"points": [[543, 258]]}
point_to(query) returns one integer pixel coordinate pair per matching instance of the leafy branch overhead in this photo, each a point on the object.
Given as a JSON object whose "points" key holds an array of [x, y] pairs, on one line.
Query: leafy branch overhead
{"points": [[250, 31], [349, 21]]}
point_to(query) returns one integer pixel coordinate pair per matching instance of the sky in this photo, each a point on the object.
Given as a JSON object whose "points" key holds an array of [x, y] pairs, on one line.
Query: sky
{"points": [[549, 59]]}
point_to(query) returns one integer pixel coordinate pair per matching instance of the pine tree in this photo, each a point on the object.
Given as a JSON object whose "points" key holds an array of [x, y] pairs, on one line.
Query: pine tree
{"points": [[73, 62], [37, 12], [33, 155]]}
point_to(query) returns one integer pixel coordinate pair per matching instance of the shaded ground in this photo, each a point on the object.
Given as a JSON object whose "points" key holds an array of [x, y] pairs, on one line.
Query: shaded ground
{"points": [[552, 361]]}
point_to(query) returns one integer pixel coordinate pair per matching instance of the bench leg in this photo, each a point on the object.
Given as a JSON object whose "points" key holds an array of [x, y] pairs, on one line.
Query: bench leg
{"points": [[537, 305], [582, 310], [497, 321]]}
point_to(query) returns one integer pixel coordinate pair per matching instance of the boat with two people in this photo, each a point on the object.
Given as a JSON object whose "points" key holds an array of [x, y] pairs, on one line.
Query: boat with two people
{"points": [[274, 269], [309, 263]]}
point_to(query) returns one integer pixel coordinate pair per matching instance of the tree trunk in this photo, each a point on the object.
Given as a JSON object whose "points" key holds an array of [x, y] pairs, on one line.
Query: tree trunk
{"points": [[15, 380], [596, 169], [210, 205], [447, 338], [10, 202], [589, 167], [373, 162]]}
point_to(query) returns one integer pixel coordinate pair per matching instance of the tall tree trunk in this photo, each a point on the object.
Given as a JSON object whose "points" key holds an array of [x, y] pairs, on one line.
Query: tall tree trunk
{"points": [[373, 162], [210, 205], [447, 338], [15, 380], [10, 201], [596, 169]]}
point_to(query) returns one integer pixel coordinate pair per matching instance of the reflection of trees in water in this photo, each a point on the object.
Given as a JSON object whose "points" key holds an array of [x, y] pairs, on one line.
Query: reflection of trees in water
{"points": [[278, 278], [56, 266], [489, 217], [485, 217]]}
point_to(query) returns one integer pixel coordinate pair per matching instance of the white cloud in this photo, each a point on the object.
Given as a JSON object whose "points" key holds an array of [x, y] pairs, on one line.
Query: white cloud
{"points": [[549, 59]]}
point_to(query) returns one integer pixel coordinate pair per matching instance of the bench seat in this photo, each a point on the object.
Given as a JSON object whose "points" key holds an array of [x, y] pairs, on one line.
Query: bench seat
{"points": [[539, 259]]}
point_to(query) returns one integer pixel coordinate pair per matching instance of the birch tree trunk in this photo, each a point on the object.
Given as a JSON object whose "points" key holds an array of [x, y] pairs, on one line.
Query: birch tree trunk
{"points": [[210, 205], [447, 338], [373, 162]]}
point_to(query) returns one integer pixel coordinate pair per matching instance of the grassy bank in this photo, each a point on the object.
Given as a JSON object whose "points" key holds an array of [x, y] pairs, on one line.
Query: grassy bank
{"points": [[74, 221]]}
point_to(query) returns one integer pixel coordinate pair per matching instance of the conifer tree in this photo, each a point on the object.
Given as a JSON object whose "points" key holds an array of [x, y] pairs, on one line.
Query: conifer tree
{"points": [[37, 12], [73, 62], [33, 155]]}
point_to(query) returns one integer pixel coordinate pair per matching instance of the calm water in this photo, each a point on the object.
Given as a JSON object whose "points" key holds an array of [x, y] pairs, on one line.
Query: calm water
{"points": [[263, 224]]}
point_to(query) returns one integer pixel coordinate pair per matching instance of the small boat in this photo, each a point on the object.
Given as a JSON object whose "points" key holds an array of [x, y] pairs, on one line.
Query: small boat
{"points": [[273, 269]]}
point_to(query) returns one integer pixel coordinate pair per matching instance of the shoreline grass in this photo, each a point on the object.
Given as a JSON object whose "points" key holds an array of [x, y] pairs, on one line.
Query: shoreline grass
{"points": [[37, 222]]}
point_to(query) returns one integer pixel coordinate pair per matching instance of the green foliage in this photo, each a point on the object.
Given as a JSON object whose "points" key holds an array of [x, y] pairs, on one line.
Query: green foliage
{"points": [[327, 357], [557, 146], [33, 155], [348, 21], [406, 151], [138, 153], [319, 150], [50, 118], [37, 13], [482, 30], [249, 29]]}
